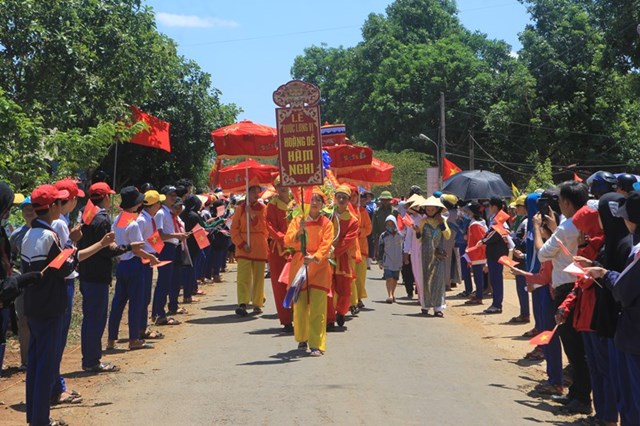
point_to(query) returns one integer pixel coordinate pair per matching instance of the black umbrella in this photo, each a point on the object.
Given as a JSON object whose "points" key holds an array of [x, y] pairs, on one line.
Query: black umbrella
{"points": [[476, 184]]}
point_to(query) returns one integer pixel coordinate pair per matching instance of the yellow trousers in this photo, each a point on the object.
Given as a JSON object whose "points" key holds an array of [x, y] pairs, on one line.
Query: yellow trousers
{"points": [[251, 282], [358, 288], [310, 318]]}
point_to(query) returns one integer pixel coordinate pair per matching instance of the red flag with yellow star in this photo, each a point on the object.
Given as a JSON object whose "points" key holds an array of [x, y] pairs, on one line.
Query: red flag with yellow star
{"points": [[449, 169], [90, 211], [156, 242], [201, 236], [543, 338], [125, 219], [61, 258]]}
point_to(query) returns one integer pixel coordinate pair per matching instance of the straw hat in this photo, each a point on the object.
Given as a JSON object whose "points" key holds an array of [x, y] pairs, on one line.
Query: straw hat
{"points": [[433, 202]]}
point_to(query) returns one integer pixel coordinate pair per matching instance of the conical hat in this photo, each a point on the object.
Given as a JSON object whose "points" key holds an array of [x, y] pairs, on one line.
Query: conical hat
{"points": [[433, 202]]}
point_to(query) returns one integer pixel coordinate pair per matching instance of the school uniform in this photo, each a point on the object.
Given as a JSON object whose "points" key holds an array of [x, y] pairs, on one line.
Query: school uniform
{"points": [[45, 306], [167, 223], [147, 227], [130, 284]]}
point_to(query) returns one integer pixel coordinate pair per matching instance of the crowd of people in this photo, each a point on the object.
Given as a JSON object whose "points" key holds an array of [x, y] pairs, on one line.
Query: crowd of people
{"points": [[573, 251]]}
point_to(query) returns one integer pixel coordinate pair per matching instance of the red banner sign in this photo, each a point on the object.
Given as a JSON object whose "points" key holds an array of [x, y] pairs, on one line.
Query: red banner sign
{"points": [[299, 142]]}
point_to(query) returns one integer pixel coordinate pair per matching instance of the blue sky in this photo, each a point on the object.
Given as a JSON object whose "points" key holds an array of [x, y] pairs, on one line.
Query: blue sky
{"points": [[248, 47]]}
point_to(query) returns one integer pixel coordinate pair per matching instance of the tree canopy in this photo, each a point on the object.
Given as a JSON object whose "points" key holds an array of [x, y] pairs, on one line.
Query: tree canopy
{"points": [[69, 72], [569, 95]]}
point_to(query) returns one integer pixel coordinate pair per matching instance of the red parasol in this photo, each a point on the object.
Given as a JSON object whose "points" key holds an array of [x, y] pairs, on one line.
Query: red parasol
{"points": [[379, 173], [245, 139], [346, 158], [236, 178]]}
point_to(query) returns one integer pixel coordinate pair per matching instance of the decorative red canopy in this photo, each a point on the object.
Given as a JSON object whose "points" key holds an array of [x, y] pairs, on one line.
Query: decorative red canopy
{"points": [[245, 139], [234, 178], [379, 173], [345, 158]]}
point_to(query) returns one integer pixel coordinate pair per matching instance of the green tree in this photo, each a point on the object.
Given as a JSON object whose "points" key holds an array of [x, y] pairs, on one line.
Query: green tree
{"points": [[410, 169]]}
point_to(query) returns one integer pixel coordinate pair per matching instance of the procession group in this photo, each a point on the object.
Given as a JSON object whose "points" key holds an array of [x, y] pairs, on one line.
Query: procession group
{"points": [[318, 244]]}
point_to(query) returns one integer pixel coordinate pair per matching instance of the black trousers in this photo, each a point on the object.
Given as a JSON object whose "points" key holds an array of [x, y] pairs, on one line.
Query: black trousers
{"points": [[573, 346], [407, 278]]}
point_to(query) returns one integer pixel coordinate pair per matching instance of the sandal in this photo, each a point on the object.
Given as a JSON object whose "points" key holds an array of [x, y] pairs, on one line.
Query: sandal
{"points": [[190, 300], [111, 345], [103, 367], [535, 355], [302, 346], [179, 311], [152, 335], [139, 344], [520, 319], [492, 310], [71, 399], [464, 293], [549, 389], [531, 333], [315, 352], [58, 422], [167, 321], [438, 314], [199, 293], [473, 301]]}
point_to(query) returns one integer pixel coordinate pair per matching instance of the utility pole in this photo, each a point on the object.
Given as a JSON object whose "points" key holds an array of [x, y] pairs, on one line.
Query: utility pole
{"points": [[472, 147], [443, 147]]}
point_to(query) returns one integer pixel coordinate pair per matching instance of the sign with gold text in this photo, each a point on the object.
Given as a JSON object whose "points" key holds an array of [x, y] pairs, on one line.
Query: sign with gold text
{"points": [[299, 141]]}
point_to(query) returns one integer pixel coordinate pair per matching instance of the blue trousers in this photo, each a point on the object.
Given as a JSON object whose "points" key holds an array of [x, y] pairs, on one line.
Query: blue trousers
{"points": [[465, 271], [129, 288], [42, 367], [478, 277], [537, 297], [497, 283], [523, 295], [218, 257], [189, 283], [627, 377], [198, 269], [207, 268], [163, 283], [552, 351], [60, 385], [174, 289], [596, 349], [147, 272], [95, 303]]}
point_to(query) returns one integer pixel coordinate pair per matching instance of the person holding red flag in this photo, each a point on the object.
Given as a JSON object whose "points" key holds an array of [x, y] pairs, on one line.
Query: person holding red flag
{"points": [[251, 255], [95, 279], [310, 309], [346, 229], [129, 274], [277, 226], [153, 245], [46, 303]]}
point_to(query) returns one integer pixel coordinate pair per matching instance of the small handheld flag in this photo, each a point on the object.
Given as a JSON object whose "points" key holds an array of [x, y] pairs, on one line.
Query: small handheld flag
{"points": [[125, 219], [408, 220], [90, 211], [157, 265], [156, 242], [507, 262], [60, 259], [543, 338], [575, 269], [201, 236], [563, 247]]}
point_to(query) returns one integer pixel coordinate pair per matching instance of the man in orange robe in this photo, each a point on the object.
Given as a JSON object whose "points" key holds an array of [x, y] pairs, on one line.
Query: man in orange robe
{"points": [[358, 289], [345, 247], [251, 253], [310, 308], [277, 227]]}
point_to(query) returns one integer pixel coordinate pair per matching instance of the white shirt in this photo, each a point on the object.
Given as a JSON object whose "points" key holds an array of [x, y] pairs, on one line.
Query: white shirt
{"points": [[164, 222], [568, 234], [128, 235], [145, 222], [61, 228]]}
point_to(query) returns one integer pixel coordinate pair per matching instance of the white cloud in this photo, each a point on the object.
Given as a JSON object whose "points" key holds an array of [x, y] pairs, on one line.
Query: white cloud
{"points": [[514, 55], [192, 21]]}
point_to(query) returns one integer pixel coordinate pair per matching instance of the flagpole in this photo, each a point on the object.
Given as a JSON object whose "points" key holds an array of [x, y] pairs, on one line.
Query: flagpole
{"points": [[246, 204], [115, 166]]}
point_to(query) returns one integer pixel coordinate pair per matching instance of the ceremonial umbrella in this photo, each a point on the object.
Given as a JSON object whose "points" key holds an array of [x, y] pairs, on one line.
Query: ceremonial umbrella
{"points": [[379, 173], [236, 178], [476, 184], [346, 158], [245, 139]]}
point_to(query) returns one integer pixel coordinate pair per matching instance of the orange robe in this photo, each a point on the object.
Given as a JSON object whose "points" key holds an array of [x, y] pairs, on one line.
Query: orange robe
{"points": [[346, 247], [258, 243], [364, 230], [277, 227], [319, 240]]}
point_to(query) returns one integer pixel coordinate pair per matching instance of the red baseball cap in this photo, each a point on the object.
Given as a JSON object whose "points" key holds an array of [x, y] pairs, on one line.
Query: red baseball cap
{"points": [[71, 186], [100, 190], [44, 195]]}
